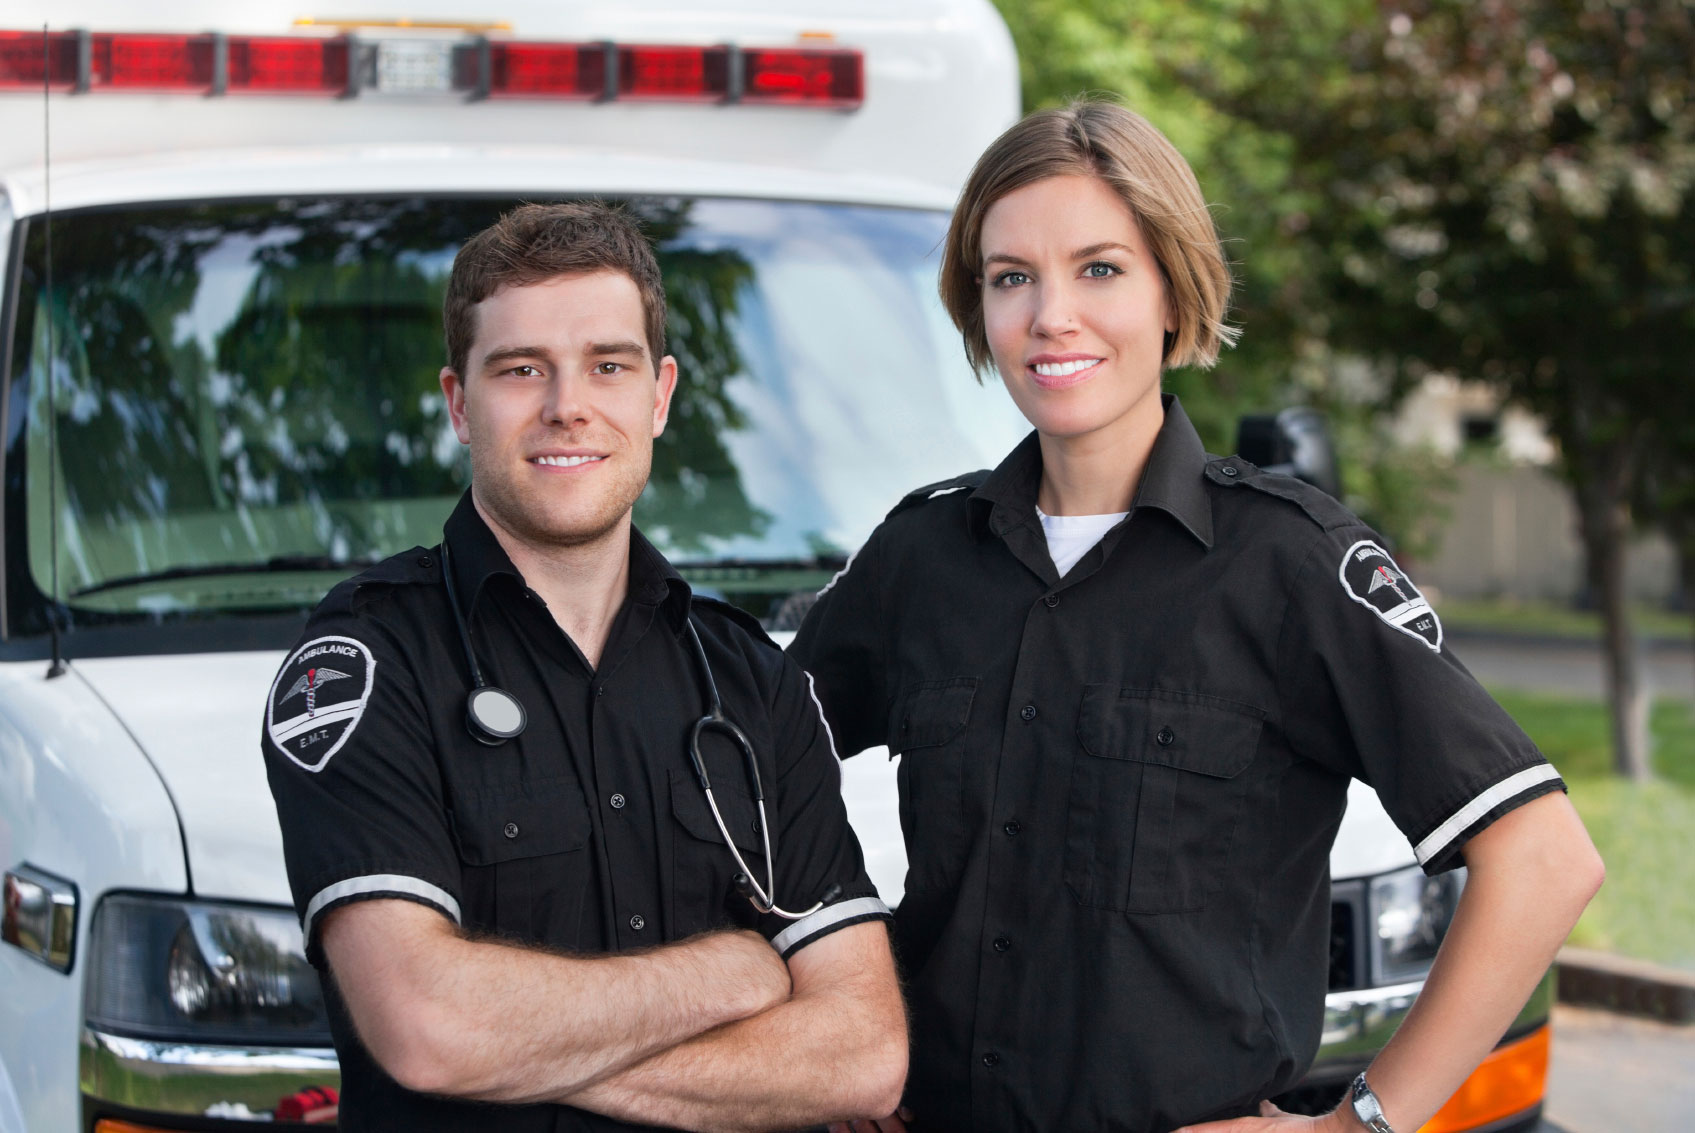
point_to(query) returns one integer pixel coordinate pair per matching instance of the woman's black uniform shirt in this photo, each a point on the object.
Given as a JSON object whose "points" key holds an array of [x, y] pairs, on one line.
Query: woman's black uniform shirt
{"points": [[1119, 789], [589, 832]]}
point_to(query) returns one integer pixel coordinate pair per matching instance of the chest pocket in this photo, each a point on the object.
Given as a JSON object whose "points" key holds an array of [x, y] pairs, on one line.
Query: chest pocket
{"points": [[927, 729], [1157, 791], [703, 895], [522, 852]]}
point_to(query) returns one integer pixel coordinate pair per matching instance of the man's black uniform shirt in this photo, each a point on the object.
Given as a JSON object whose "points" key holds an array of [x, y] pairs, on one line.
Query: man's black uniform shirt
{"points": [[1119, 788], [589, 832]]}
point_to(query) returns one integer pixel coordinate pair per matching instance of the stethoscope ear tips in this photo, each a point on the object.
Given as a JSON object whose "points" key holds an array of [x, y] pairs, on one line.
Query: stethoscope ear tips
{"points": [[493, 715]]}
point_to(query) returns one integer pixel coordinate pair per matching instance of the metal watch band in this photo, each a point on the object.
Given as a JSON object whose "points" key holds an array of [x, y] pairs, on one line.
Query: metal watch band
{"points": [[1366, 1107]]}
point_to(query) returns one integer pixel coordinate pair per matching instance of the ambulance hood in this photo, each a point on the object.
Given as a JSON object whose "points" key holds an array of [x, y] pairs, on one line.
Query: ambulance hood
{"points": [[197, 718]]}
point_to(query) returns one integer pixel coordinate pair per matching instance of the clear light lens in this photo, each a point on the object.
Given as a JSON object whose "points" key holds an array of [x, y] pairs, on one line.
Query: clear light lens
{"points": [[197, 970], [1410, 914]]}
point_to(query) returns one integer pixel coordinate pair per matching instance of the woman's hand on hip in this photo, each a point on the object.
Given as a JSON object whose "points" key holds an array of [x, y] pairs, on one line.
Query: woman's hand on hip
{"points": [[1273, 1120]]}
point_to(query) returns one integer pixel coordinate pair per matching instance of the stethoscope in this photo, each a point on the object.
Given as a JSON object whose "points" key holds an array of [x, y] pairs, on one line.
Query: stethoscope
{"points": [[493, 716]]}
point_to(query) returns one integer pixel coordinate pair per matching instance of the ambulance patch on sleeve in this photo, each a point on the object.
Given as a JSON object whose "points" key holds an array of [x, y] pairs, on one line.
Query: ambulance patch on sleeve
{"points": [[318, 698], [1372, 579]]}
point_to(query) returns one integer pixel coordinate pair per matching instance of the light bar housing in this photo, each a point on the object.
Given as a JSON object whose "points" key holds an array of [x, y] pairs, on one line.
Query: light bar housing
{"points": [[825, 78]]}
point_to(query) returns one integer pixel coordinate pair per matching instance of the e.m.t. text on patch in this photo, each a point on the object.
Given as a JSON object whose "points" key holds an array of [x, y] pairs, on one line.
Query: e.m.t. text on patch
{"points": [[1372, 579], [318, 698]]}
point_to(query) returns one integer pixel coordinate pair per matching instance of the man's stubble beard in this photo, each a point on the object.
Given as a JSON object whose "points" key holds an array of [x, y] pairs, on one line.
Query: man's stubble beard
{"points": [[507, 505]]}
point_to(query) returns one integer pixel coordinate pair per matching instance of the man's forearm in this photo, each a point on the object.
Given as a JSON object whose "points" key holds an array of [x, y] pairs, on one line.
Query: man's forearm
{"points": [[489, 1020], [830, 1053]]}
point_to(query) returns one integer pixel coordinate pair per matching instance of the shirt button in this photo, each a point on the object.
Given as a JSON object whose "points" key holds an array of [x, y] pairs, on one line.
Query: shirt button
{"points": [[425, 560], [1230, 470], [638, 922], [1052, 600], [1027, 713], [1002, 944], [617, 802], [991, 1059], [1165, 736], [511, 830], [1013, 826]]}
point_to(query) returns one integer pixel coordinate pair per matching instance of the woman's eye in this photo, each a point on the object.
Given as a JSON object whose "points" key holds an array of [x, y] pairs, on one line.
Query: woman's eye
{"points": [[1100, 269], [1011, 279]]}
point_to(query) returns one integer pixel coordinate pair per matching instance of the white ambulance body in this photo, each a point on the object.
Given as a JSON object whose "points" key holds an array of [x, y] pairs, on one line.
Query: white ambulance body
{"points": [[237, 299]]}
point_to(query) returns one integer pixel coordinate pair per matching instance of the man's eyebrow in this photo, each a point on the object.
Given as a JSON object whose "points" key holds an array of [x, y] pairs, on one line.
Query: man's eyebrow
{"points": [[514, 353], [613, 349]]}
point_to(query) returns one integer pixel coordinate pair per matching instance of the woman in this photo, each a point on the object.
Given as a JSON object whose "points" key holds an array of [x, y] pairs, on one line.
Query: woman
{"points": [[1129, 684]]}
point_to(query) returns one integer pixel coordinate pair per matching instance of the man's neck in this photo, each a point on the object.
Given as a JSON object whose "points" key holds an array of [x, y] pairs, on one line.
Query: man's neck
{"points": [[584, 586]]}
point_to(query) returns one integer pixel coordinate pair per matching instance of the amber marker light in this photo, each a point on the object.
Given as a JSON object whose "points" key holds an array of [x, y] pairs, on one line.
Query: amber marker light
{"points": [[1510, 1081]]}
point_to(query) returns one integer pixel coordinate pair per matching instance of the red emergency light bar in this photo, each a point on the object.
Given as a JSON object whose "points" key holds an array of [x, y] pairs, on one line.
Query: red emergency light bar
{"points": [[823, 78]]}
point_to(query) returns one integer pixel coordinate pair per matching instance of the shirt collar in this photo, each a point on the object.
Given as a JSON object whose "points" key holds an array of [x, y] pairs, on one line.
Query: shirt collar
{"points": [[1174, 480], [477, 556]]}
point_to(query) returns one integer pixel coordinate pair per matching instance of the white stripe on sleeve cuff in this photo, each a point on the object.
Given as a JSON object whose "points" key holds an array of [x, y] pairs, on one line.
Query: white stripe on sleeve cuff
{"points": [[1443, 836], [374, 885], [805, 929]]}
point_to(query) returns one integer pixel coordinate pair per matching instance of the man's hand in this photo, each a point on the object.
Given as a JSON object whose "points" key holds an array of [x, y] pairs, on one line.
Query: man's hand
{"points": [[894, 1123], [1273, 1120], [750, 964]]}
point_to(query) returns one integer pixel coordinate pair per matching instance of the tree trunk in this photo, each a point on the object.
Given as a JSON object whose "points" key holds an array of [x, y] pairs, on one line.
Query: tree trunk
{"points": [[1605, 522]]}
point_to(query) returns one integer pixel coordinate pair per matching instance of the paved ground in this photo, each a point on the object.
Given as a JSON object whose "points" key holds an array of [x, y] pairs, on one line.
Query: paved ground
{"points": [[1567, 667], [1617, 1074]]}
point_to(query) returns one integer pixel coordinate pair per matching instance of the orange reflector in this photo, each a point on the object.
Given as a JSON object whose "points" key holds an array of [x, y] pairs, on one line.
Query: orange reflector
{"points": [[1511, 1080], [108, 1125]]}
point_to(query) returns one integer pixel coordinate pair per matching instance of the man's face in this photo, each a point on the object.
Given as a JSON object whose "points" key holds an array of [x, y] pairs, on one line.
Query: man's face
{"points": [[560, 403]]}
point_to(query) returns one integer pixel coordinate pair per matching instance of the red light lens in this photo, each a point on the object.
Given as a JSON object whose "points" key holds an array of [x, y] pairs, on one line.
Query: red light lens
{"points": [[24, 58], [674, 73], [278, 65], [152, 62], [546, 70], [806, 78]]}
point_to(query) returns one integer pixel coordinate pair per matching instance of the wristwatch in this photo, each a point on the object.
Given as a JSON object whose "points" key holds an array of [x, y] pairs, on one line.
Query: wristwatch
{"points": [[1366, 1107]]}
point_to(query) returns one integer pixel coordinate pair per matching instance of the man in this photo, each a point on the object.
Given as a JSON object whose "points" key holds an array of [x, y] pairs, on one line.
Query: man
{"points": [[524, 896]]}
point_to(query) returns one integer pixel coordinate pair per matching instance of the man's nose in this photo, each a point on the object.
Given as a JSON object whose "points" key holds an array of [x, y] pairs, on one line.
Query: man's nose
{"points": [[565, 402]]}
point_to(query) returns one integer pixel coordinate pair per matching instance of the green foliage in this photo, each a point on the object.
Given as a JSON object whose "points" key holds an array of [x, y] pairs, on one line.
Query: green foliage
{"points": [[1645, 831]]}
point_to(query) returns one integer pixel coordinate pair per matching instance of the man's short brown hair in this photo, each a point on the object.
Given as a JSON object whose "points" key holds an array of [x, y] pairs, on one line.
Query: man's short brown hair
{"points": [[535, 243], [1096, 138]]}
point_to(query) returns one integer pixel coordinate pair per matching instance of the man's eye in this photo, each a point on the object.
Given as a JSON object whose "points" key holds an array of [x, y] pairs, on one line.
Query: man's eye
{"points": [[1100, 269], [607, 369], [1011, 279], [524, 371]]}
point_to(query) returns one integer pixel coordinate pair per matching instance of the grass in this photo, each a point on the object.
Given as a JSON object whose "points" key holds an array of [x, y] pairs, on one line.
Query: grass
{"points": [[1645, 831], [1553, 619]]}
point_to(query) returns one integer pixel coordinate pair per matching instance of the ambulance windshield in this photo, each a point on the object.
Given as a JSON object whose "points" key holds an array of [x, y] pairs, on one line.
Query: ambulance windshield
{"points": [[247, 403]]}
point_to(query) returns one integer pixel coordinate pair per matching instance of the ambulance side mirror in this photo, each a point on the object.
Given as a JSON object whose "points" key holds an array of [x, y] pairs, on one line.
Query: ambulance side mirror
{"points": [[1295, 442]]}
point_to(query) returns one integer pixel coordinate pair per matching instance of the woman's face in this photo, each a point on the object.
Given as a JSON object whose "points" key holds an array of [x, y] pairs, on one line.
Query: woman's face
{"points": [[1074, 307]]}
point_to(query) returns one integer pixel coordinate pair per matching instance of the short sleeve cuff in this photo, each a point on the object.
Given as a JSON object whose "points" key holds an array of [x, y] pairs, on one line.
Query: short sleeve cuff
{"points": [[831, 918], [1439, 850], [371, 886]]}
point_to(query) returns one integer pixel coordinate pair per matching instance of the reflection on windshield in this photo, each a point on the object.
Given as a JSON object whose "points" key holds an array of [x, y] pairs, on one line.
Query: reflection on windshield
{"points": [[254, 385]]}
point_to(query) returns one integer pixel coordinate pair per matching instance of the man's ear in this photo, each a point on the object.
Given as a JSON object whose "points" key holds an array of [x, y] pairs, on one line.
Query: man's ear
{"points": [[663, 388], [453, 387]]}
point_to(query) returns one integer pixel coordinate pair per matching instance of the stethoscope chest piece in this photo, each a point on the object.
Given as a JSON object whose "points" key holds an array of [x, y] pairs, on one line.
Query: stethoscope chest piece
{"points": [[493, 715]]}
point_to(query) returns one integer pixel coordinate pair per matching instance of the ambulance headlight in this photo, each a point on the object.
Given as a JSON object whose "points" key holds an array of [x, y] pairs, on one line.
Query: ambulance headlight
{"points": [[1410, 914], [202, 971]]}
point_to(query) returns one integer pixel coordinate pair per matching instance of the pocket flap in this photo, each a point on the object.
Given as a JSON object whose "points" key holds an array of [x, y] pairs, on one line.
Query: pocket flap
{"points": [[1189, 731], [550, 818], [931, 713], [741, 813]]}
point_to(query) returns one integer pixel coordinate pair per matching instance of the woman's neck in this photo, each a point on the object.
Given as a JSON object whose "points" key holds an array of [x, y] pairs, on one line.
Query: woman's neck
{"points": [[1097, 473]]}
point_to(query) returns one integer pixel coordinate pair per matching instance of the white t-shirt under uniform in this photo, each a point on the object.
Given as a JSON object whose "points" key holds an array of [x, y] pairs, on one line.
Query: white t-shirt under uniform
{"points": [[1071, 536]]}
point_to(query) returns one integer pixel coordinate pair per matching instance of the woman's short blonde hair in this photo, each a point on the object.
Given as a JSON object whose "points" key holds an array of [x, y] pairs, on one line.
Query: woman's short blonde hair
{"points": [[1099, 139]]}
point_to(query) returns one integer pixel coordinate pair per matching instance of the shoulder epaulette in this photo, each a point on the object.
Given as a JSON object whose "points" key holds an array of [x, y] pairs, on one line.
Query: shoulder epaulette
{"points": [[1319, 506], [971, 481], [737, 615], [419, 565]]}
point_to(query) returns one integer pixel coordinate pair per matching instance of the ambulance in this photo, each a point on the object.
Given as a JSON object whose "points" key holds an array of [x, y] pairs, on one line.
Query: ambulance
{"points": [[224, 234]]}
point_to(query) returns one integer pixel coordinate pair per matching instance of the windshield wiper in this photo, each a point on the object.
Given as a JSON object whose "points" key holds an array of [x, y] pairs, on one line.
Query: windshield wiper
{"points": [[276, 564]]}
